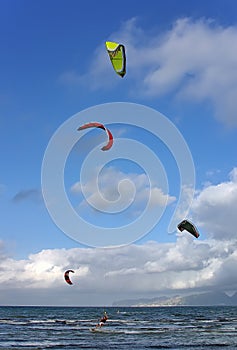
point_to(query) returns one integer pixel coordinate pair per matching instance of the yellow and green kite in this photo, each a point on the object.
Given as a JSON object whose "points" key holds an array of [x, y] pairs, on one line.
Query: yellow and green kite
{"points": [[117, 56]]}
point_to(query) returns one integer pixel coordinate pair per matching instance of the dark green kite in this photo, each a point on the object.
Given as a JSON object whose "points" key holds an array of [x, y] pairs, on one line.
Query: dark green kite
{"points": [[188, 226]]}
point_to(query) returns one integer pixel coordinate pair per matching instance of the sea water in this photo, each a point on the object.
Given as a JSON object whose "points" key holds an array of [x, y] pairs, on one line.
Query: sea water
{"points": [[127, 328]]}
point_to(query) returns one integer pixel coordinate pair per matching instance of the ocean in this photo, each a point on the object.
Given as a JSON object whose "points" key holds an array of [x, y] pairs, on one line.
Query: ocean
{"points": [[127, 328]]}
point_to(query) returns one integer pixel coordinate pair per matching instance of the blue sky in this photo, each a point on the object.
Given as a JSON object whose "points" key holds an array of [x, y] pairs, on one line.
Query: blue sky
{"points": [[181, 62]]}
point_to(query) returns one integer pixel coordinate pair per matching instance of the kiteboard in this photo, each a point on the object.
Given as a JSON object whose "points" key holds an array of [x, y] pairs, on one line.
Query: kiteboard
{"points": [[97, 329]]}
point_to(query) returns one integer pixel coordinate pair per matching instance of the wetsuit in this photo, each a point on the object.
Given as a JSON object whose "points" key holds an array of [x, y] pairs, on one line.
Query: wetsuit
{"points": [[103, 320]]}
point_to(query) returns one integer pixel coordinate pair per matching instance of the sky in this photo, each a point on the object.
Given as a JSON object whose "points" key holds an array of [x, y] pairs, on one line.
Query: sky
{"points": [[111, 216]]}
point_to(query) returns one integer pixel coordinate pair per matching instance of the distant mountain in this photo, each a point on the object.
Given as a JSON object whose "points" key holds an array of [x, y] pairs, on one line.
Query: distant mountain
{"points": [[211, 298], [204, 299]]}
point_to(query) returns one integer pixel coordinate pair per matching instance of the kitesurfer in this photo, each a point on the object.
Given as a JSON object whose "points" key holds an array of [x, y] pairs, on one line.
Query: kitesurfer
{"points": [[102, 320]]}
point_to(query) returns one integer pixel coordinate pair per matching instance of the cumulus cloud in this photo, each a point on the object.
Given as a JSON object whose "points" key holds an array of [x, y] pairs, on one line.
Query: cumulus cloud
{"points": [[113, 187], [197, 59], [104, 275], [194, 60], [186, 265], [215, 207]]}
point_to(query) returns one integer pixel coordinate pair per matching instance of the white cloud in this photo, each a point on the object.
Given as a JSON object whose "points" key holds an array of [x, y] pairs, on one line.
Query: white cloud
{"points": [[104, 275], [128, 271], [215, 208], [42, 270], [120, 190], [195, 60]]}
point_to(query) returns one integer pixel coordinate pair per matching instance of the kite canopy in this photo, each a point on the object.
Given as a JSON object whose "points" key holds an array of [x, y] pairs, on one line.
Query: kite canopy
{"points": [[117, 56], [101, 126], [188, 226], [66, 276]]}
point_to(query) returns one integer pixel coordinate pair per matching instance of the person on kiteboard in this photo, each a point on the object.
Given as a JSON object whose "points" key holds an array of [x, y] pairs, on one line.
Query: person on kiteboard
{"points": [[102, 320]]}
